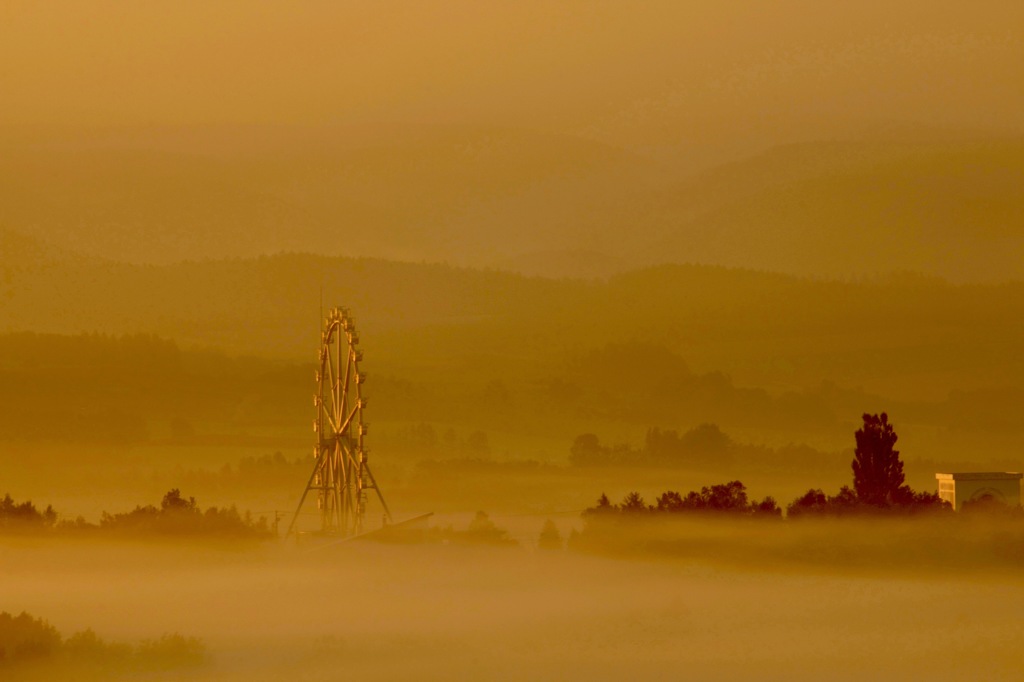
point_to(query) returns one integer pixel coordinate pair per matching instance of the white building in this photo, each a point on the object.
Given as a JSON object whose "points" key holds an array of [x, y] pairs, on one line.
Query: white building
{"points": [[1000, 486]]}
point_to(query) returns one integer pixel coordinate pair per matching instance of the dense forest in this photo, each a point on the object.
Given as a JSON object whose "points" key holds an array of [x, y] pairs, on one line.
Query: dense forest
{"points": [[619, 392]]}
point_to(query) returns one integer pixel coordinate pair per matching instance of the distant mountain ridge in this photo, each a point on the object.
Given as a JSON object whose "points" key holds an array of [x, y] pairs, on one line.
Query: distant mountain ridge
{"points": [[438, 197], [549, 205], [843, 209]]}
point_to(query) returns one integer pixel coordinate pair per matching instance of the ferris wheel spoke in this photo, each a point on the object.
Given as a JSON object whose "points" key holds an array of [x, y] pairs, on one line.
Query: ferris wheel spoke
{"points": [[338, 398], [350, 367], [342, 409], [343, 393], [344, 385], [333, 422], [350, 417], [329, 415], [331, 374], [342, 401]]}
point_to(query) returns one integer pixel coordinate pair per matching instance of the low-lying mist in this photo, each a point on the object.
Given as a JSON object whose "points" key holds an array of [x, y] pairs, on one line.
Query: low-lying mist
{"points": [[444, 612]]}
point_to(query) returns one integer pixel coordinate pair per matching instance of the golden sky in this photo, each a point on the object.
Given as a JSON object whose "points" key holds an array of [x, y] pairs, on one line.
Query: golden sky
{"points": [[673, 73]]}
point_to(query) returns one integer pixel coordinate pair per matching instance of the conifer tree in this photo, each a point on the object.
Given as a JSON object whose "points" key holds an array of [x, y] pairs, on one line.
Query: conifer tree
{"points": [[877, 468]]}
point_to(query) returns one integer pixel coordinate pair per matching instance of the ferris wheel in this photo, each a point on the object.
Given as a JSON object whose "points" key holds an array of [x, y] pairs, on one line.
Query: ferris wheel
{"points": [[341, 476]]}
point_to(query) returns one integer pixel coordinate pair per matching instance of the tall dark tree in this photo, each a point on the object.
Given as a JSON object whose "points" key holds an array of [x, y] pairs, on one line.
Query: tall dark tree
{"points": [[877, 469]]}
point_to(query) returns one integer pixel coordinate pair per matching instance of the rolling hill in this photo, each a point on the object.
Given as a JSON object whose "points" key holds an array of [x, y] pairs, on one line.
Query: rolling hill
{"points": [[903, 336], [938, 203], [465, 196], [953, 209]]}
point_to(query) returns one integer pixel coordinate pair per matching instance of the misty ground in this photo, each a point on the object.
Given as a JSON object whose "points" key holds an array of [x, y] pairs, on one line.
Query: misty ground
{"points": [[384, 612]]}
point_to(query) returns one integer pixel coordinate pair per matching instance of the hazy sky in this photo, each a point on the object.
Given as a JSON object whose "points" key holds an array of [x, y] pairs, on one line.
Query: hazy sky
{"points": [[673, 74], [410, 97]]}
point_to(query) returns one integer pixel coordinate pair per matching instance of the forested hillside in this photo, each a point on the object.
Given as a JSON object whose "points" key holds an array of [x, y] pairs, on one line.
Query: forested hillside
{"points": [[906, 336], [794, 360]]}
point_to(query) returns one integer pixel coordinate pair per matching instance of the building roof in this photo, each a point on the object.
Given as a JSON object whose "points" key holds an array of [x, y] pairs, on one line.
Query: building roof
{"points": [[981, 476]]}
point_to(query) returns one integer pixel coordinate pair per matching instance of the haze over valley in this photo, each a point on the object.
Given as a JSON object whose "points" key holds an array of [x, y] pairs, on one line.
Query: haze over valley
{"points": [[637, 294]]}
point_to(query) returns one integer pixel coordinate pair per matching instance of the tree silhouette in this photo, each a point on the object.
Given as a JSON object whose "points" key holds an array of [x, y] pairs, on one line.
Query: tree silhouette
{"points": [[586, 450], [550, 538], [670, 501], [604, 508], [766, 507], [811, 502], [174, 502], [633, 503], [731, 496], [877, 469], [24, 638], [24, 515], [483, 531]]}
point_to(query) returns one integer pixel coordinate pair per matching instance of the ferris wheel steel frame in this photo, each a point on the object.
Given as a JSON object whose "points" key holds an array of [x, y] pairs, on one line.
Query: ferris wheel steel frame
{"points": [[341, 476]]}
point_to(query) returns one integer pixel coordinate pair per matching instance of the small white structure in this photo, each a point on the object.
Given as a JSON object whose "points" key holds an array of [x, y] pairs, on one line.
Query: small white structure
{"points": [[1001, 486]]}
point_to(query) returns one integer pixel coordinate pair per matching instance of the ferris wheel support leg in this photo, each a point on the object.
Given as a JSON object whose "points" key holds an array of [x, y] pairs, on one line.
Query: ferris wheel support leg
{"points": [[380, 496], [302, 500]]}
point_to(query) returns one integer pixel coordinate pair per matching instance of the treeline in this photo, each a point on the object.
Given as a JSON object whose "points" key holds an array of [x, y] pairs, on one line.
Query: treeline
{"points": [[423, 438], [248, 474], [453, 468], [703, 447], [441, 329], [460, 316], [212, 397], [26, 642], [842, 534], [730, 500], [727, 498], [106, 382], [846, 502], [878, 484], [15, 516], [177, 516]]}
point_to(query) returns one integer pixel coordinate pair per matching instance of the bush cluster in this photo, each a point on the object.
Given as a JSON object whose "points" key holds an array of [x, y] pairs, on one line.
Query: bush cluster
{"points": [[176, 515], [25, 640], [25, 516]]}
